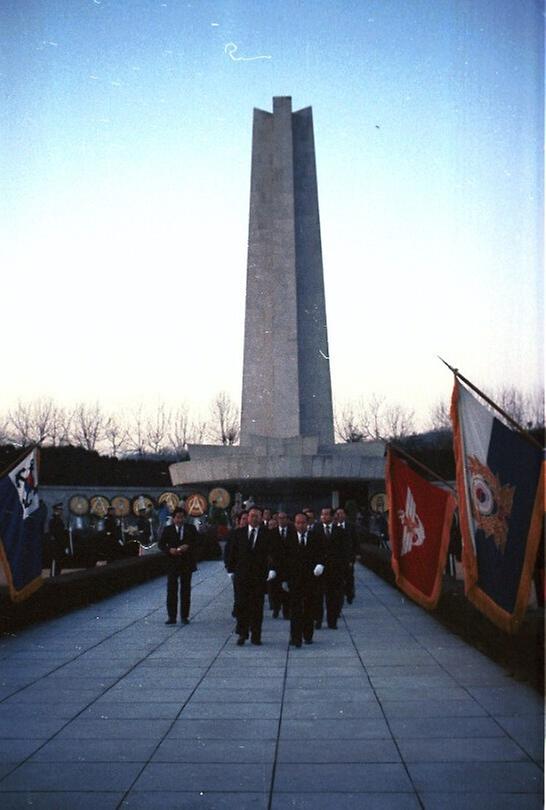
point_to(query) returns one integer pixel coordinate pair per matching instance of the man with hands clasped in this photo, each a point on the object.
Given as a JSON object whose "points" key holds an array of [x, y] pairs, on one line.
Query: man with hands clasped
{"points": [[303, 566], [178, 543], [252, 564]]}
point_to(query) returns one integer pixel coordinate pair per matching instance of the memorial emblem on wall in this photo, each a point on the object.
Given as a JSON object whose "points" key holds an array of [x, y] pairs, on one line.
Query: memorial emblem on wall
{"points": [[78, 505], [121, 505], [171, 499], [219, 497], [142, 502], [99, 505], [196, 505], [378, 502]]}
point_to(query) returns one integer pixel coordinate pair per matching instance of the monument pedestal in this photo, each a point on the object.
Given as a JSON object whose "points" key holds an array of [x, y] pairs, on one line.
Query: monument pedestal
{"points": [[286, 473]]}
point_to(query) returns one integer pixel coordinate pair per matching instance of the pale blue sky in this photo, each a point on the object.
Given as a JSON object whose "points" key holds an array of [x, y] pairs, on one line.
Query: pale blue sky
{"points": [[125, 168]]}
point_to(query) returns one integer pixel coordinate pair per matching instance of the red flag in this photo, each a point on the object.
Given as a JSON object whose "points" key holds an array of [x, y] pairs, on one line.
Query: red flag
{"points": [[420, 516]]}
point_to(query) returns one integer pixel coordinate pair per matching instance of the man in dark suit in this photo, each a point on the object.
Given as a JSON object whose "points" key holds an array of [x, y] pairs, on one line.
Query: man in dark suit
{"points": [[353, 549], [251, 563], [280, 599], [242, 523], [336, 559], [59, 540], [178, 541], [302, 567]]}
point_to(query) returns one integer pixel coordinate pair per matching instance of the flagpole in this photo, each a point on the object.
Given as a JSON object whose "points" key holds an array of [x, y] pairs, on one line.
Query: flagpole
{"points": [[420, 464], [25, 453], [525, 433]]}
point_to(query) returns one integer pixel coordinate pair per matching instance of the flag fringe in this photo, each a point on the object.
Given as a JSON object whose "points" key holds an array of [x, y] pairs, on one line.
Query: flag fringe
{"points": [[22, 594]]}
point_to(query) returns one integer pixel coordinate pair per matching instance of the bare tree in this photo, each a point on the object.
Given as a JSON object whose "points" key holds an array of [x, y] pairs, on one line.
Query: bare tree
{"points": [[20, 422], [157, 429], [179, 434], [136, 434], [199, 430], [535, 413], [512, 401], [62, 428], [398, 422], [370, 417], [347, 425], [374, 418], [87, 425], [224, 419], [115, 434], [32, 422], [5, 436], [440, 418]]}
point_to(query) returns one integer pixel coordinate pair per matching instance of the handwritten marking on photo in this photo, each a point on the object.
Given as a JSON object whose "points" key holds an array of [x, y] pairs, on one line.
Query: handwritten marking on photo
{"points": [[230, 49]]}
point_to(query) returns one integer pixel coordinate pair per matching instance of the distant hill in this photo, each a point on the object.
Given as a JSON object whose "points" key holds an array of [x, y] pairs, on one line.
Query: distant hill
{"points": [[76, 466]]}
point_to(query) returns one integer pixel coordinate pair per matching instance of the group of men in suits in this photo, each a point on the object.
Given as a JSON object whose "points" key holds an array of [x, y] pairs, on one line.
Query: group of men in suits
{"points": [[312, 563], [310, 566]]}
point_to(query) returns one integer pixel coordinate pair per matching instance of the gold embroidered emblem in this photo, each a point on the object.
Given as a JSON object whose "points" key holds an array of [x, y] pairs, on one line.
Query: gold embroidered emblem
{"points": [[491, 502]]}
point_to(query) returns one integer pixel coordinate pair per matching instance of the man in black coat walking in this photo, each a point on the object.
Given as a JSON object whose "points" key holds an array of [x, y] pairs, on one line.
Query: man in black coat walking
{"points": [[178, 541], [302, 567], [353, 548], [336, 559], [251, 564]]}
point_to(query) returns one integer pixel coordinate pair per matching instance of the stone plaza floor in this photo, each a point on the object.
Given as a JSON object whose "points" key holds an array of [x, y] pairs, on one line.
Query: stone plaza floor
{"points": [[106, 707]]}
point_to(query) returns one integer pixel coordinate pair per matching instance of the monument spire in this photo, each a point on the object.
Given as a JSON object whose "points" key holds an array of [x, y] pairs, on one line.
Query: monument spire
{"points": [[286, 369]]}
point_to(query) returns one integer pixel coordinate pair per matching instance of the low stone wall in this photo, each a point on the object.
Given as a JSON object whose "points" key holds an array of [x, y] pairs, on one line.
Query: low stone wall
{"points": [[70, 591]]}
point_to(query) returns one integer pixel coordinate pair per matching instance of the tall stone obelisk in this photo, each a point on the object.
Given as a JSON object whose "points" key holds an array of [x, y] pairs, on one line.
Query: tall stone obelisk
{"points": [[288, 455], [286, 370]]}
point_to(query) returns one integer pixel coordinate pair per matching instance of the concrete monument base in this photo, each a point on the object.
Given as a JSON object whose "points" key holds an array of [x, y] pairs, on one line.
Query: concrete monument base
{"points": [[284, 471]]}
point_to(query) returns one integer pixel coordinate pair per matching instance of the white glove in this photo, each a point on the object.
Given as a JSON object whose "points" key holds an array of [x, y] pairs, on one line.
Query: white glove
{"points": [[285, 586], [272, 574], [231, 574], [318, 570]]}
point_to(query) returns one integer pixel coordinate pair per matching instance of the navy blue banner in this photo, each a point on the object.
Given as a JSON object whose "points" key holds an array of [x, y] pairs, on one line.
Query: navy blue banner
{"points": [[21, 535]]}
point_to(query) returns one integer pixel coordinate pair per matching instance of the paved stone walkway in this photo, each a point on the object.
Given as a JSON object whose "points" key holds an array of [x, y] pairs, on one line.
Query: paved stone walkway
{"points": [[109, 708]]}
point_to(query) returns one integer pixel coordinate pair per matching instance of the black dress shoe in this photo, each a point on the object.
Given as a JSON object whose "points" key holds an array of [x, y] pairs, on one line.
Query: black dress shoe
{"points": [[170, 621], [297, 644], [318, 625], [256, 641], [240, 641], [333, 626], [275, 614], [308, 640], [185, 621]]}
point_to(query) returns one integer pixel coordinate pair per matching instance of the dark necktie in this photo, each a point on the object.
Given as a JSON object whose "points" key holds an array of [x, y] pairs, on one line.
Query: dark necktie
{"points": [[179, 532], [252, 539], [327, 531]]}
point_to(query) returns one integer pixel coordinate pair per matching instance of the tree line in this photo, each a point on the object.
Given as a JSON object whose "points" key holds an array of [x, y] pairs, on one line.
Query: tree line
{"points": [[139, 433], [375, 417], [168, 432]]}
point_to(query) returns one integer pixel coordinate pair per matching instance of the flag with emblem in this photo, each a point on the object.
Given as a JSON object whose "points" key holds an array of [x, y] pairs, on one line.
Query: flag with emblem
{"points": [[499, 476], [420, 515], [20, 531]]}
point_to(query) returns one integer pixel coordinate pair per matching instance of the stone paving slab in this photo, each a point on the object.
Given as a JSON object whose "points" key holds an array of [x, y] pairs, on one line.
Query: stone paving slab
{"points": [[170, 800], [345, 801], [51, 800], [38, 776], [107, 707]]}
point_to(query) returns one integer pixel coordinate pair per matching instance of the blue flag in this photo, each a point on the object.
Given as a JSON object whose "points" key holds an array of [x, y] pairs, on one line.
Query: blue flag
{"points": [[501, 508], [20, 530]]}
